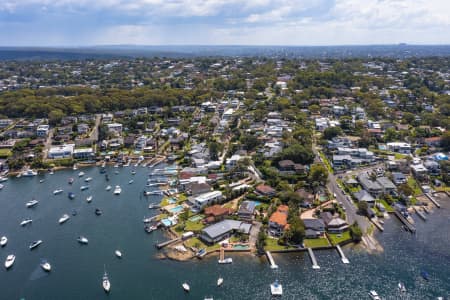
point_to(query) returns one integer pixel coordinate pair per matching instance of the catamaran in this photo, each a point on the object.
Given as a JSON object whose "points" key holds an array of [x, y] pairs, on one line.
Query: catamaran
{"points": [[117, 190], [276, 289]]}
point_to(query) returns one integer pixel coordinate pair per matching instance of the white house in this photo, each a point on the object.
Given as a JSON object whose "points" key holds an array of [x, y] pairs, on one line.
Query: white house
{"points": [[63, 151], [42, 130], [115, 127], [85, 153], [205, 199]]}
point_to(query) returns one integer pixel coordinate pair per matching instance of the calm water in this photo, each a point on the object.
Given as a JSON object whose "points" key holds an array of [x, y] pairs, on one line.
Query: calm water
{"points": [[77, 270]]}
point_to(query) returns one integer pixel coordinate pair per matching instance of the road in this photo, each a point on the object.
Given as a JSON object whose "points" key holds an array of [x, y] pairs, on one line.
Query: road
{"points": [[350, 209]]}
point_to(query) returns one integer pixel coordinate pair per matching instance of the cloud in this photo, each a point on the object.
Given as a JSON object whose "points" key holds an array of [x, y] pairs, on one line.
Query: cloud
{"points": [[298, 22]]}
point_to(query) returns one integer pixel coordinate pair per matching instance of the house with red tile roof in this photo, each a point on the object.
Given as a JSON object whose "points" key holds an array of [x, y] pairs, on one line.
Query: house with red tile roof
{"points": [[278, 220]]}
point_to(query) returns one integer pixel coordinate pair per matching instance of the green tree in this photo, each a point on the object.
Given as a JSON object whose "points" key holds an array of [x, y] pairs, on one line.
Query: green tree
{"points": [[318, 173], [332, 132]]}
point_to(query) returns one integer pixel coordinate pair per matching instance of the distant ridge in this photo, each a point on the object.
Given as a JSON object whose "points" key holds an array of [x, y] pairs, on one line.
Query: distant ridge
{"points": [[131, 51]]}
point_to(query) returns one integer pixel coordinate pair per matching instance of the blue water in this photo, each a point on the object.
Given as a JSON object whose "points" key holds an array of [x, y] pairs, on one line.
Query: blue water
{"points": [[140, 274]]}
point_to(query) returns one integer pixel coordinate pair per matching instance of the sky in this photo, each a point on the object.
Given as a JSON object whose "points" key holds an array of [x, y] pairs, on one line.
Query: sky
{"points": [[223, 22]]}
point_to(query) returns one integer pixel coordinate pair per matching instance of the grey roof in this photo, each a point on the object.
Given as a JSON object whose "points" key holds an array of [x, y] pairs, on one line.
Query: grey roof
{"points": [[337, 222], [225, 226], [247, 207], [367, 183], [385, 183], [313, 223], [398, 176], [363, 195]]}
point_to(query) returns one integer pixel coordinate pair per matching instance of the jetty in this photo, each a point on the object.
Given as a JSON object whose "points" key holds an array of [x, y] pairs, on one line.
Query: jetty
{"points": [[420, 214], [405, 222], [377, 224], [341, 253], [313, 259], [429, 196], [271, 260], [167, 243]]}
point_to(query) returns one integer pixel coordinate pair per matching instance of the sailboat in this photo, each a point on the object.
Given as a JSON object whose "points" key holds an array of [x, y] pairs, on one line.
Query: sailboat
{"points": [[219, 281], [106, 284]]}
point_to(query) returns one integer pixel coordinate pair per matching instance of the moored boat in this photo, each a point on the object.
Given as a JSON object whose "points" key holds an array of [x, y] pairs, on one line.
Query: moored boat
{"points": [[106, 284], [82, 240], [81, 174], [28, 173], [89, 199], [219, 281], [84, 187], [35, 244], [186, 287], [374, 295], [45, 265], [1, 186], [3, 241], [401, 287], [57, 191], [71, 195], [10, 259], [88, 179], [70, 180], [98, 212], [25, 222], [32, 203], [108, 188], [118, 253], [63, 219]]}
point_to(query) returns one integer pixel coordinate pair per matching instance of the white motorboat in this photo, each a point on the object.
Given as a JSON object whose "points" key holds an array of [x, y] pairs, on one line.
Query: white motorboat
{"points": [[41, 181], [117, 190], [64, 218], [3, 241], [57, 191], [108, 188], [374, 295], [209, 298], [32, 203], [1, 186], [45, 265], [133, 172], [3, 179], [131, 181], [219, 281], [81, 174], [25, 222], [10, 259], [186, 287], [228, 260], [88, 179], [82, 240], [28, 173], [118, 253], [401, 287], [106, 284], [75, 167], [35, 244], [89, 199], [276, 289], [84, 187]]}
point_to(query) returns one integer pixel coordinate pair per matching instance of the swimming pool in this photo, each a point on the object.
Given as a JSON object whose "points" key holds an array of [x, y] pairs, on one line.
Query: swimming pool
{"points": [[172, 201], [176, 209], [196, 218], [240, 247], [166, 222]]}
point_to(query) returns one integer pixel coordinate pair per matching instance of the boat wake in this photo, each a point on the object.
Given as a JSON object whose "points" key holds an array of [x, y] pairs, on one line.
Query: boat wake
{"points": [[38, 273]]}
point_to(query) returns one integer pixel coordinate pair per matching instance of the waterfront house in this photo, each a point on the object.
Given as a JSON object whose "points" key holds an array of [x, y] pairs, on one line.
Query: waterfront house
{"points": [[314, 228], [199, 188], [203, 200], [63, 151], [373, 187], [216, 213], [247, 210], [84, 154], [387, 186], [364, 196], [278, 220], [222, 230]]}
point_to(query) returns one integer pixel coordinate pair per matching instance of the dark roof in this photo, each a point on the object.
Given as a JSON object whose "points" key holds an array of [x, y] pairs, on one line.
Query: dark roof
{"points": [[313, 223], [285, 163], [247, 207]]}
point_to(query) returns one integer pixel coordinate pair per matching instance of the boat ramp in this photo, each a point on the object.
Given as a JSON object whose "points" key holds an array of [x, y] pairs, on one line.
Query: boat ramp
{"points": [[167, 243]]}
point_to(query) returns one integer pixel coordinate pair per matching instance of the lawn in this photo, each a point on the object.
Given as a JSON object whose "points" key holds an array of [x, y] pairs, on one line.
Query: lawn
{"points": [[326, 162], [386, 205], [272, 245], [413, 184], [196, 243], [4, 153], [193, 226], [337, 238], [315, 243], [164, 201]]}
